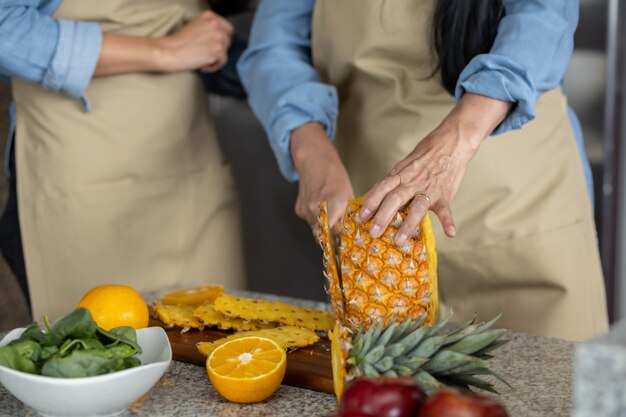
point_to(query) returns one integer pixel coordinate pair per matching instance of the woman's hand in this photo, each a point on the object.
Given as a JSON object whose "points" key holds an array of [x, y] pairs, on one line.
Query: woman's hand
{"points": [[322, 176], [201, 44], [430, 176]]}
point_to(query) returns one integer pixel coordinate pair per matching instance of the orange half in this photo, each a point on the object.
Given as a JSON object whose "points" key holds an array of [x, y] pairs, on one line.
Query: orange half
{"points": [[247, 370]]}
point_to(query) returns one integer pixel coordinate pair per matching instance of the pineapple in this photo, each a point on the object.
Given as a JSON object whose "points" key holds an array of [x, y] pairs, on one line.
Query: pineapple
{"points": [[385, 300], [374, 279]]}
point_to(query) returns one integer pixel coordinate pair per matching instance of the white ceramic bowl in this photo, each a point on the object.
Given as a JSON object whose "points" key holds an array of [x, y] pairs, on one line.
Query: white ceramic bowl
{"points": [[101, 395]]}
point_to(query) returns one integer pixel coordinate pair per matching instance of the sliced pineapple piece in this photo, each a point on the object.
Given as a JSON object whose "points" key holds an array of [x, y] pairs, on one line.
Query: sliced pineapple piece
{"points": [[193, 296], [207, 315], [269, 311], [181, 316], [288, 337]]}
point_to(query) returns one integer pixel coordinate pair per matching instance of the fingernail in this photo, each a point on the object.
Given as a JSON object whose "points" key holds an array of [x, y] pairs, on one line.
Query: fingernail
{"points": [[401, 239], [375, 230], [451, 231], [365, 213]]}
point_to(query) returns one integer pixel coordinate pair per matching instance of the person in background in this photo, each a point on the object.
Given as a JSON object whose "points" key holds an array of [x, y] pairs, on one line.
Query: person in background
{"points": [[452, 106], [120, 176]]}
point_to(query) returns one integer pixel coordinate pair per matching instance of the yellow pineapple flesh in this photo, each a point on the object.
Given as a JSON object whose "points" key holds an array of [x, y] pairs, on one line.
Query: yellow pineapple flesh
{"points": [[330, 262], [210, 317], [181, 316], [378, 280], [272, 311], [205, 294], [289, 337]]}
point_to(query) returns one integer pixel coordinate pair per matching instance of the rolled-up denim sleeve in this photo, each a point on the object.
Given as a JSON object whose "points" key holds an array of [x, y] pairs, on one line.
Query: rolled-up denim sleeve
{"points": [[75, 58], [530, 55], [284, 90], [60, 55]]}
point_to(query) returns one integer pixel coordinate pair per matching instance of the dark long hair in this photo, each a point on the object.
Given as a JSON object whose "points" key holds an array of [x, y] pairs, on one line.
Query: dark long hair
{"points": [[462, 30], [230, 7]]}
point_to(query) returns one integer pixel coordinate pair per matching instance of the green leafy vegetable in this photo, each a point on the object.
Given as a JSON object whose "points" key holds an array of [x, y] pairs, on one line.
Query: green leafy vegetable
{"points": [[11, 358], [122, 334], [77, 325], [73, 347]]}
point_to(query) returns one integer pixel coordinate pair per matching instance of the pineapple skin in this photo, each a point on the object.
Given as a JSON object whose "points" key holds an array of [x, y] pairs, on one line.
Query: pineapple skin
{"points": [[375, 279]]}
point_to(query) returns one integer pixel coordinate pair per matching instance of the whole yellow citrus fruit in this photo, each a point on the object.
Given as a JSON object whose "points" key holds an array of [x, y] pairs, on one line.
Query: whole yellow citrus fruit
{"points": [[247, 370], [116, 305]]}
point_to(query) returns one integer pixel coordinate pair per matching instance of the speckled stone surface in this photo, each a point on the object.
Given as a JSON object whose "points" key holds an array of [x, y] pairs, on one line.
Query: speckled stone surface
{"points": [[539, 370]]}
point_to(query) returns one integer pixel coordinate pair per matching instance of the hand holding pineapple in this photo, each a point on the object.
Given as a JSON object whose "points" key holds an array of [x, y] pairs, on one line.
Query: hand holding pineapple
{"points": [[322, 175]]}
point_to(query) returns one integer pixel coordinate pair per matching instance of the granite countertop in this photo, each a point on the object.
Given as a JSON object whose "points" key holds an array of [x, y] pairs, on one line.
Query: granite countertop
{"points": [[539, 370]]}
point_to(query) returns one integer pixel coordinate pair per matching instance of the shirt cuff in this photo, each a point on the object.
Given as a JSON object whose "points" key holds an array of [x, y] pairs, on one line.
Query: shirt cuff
{"points": [[74, 61], [500, 78], [308, 102]]}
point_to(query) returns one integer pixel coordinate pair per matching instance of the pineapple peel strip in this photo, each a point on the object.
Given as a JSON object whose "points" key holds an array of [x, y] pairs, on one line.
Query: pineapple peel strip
{"points": [[181, 316], [289, 337], [331, 263], [210, 317], [263, 310]]}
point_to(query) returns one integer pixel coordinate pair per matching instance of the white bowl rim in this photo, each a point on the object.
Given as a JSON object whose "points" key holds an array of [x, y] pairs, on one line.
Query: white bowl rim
{"points": [[88, 379]]}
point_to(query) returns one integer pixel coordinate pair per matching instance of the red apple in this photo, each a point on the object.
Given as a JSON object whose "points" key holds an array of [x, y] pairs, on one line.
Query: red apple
{"points": [[454, 403], [382, 397], [355, 415]]}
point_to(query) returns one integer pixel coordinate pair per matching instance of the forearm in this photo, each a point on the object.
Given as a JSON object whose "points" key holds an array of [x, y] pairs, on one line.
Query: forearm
{"points": [[284, 89], [473, 119], [123, 54], [309, 142], [477, 116], [201, 44]]}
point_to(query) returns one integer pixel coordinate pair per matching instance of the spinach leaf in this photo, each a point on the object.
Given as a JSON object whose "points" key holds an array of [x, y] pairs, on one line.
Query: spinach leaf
{"points": [[10, 357], [48, 351], [122, 334], [33, 332], [29, 349], [71, 344], [83, 363], [74, 347], [131, 363], [121, 350], [77, 325]]}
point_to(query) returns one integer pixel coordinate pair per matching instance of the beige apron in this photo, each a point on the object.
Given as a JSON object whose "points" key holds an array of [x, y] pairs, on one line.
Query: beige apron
{"points": [[526, 243], [135, 191]]}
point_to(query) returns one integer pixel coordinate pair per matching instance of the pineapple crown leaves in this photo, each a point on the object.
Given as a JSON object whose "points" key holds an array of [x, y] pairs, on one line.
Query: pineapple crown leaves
{"points": [[433, 357]]}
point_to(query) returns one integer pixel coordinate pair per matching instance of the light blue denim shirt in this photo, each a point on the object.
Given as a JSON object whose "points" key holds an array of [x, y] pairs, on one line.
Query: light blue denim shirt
{"points": [[61, 55], [529, 57]]}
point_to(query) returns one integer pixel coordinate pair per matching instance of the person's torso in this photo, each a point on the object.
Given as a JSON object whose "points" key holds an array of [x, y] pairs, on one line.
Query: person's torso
{"points": [[132, 17], [144, 125], [380, 57]]}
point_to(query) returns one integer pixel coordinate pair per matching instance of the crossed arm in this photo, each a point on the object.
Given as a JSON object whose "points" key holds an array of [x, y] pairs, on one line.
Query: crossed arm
{"points": [[63, 55]]}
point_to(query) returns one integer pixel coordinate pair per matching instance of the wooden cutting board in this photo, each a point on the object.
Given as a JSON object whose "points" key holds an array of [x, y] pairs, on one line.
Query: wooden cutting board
{"points": [[308, 367]]}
